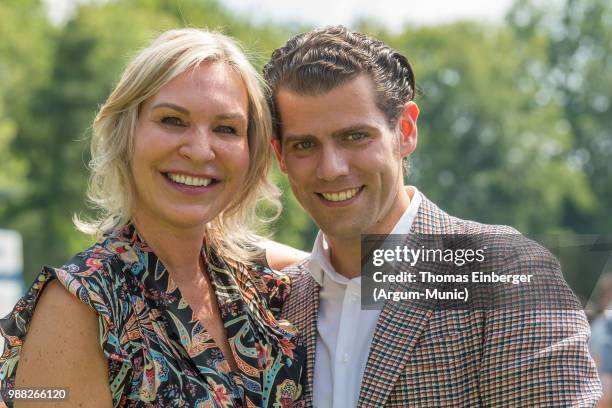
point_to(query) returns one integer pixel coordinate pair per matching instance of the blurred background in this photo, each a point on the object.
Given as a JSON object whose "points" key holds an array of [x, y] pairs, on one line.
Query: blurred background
{"points": [[515, 125]]}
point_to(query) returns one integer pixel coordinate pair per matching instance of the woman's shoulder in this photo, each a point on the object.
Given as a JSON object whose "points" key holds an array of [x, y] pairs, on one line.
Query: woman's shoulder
{"points": [[95, 276], [98, 270], [92, 286], [59, 335], [110, 249]]}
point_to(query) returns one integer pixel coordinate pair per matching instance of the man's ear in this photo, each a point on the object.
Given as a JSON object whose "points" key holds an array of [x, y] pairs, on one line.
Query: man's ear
{"points": [[278, 151], [408, 128]]}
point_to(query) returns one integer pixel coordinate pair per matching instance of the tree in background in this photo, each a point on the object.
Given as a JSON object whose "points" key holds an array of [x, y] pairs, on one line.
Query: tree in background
{"points": [[27, 43], [574, 74]]}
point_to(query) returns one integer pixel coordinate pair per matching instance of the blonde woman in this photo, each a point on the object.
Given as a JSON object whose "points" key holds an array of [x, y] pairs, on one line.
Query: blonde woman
{"points": [[170, 307]]}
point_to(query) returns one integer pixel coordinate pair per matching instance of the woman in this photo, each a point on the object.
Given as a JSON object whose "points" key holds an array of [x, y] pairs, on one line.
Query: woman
{"points": [[171, 291]]}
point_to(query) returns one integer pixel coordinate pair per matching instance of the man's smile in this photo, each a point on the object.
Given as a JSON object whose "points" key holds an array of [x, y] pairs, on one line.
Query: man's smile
{"points": [[340, 196]]}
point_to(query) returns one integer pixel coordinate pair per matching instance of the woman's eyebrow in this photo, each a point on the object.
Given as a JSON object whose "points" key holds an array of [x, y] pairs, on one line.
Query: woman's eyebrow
{"points": [[171, 106], [236, 115], [178, 108]]}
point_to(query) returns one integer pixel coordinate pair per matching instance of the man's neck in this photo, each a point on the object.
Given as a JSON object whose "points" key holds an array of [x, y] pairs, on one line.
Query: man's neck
{"points": [[344, 256]]}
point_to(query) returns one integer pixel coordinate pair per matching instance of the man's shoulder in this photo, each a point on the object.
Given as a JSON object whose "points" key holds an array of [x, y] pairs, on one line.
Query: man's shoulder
{"points": [[298, 271], [299, 307], [508, 252], [431, 219], [504, 243]]}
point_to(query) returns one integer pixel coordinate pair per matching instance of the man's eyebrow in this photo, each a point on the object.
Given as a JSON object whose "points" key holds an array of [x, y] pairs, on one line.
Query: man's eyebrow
{"points": [[290, 137], [352, 129], [361, 127], [171, 106]]}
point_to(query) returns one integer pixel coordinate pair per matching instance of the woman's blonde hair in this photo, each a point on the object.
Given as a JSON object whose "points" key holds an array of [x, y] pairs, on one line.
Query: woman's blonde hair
{"points": [[111, 188]]}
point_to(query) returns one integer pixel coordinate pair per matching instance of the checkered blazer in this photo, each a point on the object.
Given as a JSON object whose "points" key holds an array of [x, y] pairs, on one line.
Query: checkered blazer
{"points": [[500, 357]]}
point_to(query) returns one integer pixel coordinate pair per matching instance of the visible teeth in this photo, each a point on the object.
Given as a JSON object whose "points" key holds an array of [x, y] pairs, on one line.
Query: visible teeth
{"points": [[341, 196], [188, 180]]}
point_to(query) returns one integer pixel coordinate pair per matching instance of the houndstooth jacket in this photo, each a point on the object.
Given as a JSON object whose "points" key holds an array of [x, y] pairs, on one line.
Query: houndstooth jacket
{"points": [[501, 357]]}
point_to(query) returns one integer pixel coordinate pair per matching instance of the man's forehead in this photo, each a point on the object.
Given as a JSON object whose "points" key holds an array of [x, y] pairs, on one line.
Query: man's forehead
{"points": [[349, 104], [360, 84]]}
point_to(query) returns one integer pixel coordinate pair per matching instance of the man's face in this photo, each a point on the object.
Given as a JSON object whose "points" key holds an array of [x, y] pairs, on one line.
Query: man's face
{"points": [[343, 161]]}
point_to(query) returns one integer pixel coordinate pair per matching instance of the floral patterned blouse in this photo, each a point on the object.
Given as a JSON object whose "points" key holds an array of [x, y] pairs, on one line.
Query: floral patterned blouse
{"points": [[159, 354]]}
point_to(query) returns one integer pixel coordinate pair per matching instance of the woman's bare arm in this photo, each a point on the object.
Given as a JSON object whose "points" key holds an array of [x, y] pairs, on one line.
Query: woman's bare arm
{"points": [[62, 350], [280, 256]]}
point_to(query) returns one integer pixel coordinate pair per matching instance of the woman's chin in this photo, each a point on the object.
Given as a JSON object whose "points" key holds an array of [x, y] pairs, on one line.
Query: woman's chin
{"points": [[178, 218], [188, 220]]}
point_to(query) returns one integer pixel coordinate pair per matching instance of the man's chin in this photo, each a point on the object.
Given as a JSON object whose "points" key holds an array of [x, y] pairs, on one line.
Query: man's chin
{"points": [[344, 232]]}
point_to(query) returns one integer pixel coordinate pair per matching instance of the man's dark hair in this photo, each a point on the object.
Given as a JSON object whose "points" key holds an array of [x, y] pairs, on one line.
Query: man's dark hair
{"points": [[318, 61]]}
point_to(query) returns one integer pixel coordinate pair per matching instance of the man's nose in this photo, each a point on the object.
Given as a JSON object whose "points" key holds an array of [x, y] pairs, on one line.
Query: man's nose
{"points": [[198, 146], [333, 164]]}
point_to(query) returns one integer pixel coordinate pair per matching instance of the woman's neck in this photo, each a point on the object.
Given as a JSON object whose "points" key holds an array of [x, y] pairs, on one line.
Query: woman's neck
{"points": [[178, 249]]}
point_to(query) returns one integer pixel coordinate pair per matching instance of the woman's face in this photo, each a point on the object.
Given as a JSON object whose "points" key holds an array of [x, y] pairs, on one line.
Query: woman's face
{"points": [[191, 150]]}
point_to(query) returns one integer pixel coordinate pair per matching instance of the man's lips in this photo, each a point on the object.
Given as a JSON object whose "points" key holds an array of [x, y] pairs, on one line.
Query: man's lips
{"points": [[340, 196]]}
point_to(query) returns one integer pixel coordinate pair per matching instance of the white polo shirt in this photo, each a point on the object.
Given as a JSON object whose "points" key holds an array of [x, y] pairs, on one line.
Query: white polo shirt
{"points": [[344, 331]]}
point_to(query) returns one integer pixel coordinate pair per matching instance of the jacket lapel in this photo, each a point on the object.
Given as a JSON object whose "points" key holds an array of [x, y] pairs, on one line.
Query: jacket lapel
{"points": [[400, 324], [310, 334], [301, 310]]}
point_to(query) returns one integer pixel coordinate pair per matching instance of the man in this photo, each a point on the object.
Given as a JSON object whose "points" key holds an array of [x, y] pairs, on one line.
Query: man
{"points": [[345, 125]]}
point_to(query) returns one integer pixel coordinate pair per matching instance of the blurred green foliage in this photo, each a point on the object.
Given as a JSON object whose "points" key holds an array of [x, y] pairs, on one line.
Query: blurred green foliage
{"points": [[514, 128]]}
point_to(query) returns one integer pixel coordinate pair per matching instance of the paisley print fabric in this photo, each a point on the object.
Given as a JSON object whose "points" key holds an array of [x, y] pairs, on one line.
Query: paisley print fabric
{"points": [[158, 353]]}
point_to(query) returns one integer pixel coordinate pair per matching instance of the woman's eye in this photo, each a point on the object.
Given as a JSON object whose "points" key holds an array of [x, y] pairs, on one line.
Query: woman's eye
{"points": [[172, 121], [225, 129]]}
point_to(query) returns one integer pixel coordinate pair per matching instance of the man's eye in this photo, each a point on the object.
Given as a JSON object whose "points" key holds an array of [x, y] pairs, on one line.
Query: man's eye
{"points": [[225, 129], [172, 121], [356, 136], [303, 145]]}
